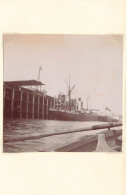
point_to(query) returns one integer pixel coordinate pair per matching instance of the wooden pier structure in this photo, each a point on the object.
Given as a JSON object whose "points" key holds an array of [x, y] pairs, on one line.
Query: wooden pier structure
{"points": [[23, 102]]}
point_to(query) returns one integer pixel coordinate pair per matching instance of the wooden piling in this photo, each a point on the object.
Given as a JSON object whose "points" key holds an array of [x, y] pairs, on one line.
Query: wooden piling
{"points": [[38, 105], [33, 107], [12, 103], [54, 104], [4, 95], [43, 108], [51, 104], [4, 91], [21, 105], [27, 103], [47, 109]]}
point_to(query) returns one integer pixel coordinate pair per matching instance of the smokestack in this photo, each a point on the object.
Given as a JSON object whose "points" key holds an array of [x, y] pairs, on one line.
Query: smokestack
{"points": [[79, 104]]}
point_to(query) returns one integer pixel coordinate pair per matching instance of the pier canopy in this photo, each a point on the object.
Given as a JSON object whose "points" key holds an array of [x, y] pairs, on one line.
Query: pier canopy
{"points": [[22, 83]]}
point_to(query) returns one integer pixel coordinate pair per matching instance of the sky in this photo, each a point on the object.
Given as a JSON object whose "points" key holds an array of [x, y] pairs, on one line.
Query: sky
{"points": [[94, 62]]}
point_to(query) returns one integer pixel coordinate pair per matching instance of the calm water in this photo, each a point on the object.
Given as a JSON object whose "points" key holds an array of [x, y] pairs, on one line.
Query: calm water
{"points": [[27, 128]]}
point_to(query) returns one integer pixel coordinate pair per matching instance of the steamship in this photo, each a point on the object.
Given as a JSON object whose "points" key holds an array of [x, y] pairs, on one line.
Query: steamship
{"points": [[68, 109]]}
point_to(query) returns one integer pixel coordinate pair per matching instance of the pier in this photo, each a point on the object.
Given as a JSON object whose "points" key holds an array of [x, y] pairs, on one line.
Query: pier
{"points": [[23, 102]]}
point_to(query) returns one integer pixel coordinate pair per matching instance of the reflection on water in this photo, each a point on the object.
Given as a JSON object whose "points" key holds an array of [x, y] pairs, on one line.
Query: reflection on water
{"points": [[27, 128]]}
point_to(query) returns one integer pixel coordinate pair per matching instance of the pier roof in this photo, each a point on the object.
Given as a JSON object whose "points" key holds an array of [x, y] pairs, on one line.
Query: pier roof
{"points": [[23, 83]]}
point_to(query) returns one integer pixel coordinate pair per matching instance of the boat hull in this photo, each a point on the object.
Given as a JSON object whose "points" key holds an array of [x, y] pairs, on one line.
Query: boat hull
{"points": [[66, 116], [89, 143]]}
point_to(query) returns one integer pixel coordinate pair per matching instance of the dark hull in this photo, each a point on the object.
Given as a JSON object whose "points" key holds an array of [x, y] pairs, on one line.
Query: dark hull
{"points": [[65, 116]]}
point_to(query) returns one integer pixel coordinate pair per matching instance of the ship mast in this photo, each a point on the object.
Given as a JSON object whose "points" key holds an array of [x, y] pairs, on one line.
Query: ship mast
{"points": [[69, 92]]}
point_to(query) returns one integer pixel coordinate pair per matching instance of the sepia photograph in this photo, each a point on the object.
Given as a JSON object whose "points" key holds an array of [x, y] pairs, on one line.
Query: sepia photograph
{"points": [[62, 93]]}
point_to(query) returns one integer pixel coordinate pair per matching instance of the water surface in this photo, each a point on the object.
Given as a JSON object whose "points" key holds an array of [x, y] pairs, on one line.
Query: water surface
{"points": [[21, 128]]}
